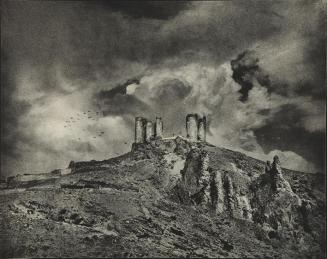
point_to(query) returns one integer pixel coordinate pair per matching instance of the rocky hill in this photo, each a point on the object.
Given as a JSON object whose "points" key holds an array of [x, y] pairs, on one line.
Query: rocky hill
{"points": [[167, 198]]}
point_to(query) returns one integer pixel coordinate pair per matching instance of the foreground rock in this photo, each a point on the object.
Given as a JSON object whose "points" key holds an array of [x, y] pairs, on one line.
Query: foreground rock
{"points": [[167, 198]]}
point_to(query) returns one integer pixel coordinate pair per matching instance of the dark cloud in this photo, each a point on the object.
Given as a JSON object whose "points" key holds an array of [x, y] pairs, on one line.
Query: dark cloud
{"points": [[10, 109], [168, 95], [247, 71], [285, 128], [171, 91], [122, 104], [120, 89], [116, 101], [147, 9], [245, 67], [284, 131], [315, 57], [89, 41]]}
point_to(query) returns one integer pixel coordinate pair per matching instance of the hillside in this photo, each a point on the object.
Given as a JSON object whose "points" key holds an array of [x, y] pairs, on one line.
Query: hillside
{"points": [[168, 198]]}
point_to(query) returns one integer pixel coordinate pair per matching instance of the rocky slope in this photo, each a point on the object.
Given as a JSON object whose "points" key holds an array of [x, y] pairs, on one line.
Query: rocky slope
{"points": [[168, 198]]}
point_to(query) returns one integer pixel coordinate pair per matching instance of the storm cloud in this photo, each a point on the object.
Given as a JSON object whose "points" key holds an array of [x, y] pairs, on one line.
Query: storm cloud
{"points": [[243, 64]]}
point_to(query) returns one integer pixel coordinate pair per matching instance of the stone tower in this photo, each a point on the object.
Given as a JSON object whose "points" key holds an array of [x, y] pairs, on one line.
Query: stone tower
{"points": [[158, 127], [148, 131], [202, 125], [145, 129], [139, 130], [196, 127], [192, 127]]}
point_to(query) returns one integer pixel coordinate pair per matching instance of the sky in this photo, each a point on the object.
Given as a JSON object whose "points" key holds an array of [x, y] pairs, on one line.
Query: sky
{"points": [[74, 74]]}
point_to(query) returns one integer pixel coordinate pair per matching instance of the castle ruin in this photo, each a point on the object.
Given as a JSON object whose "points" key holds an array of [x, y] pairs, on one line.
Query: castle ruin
{"points": [[196, 127], [145, 130]]}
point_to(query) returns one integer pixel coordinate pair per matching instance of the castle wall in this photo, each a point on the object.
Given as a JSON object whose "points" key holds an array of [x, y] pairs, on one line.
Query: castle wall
{"points": [[192, 127], [139, 130], [202, 129], [158, 127], [149, 133]]}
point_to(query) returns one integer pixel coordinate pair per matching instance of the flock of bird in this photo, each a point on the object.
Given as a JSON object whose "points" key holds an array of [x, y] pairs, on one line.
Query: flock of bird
{"points": [[89, 115]]}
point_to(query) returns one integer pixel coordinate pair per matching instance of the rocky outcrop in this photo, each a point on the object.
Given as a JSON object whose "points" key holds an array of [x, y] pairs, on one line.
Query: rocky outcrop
{"points": [[267, 200], [220, 191], [276, 206], [277, 180], [192, 187]]}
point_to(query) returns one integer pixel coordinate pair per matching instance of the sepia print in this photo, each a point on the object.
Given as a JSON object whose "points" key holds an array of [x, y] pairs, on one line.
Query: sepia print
{"points": [[163, 129]]}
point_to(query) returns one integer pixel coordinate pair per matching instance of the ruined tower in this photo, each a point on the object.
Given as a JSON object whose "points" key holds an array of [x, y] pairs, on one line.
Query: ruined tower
{"points": [[139, 130], [192, 127], [148, 131], [145, 129], [196, 127], [158, 127], [202, 124]]}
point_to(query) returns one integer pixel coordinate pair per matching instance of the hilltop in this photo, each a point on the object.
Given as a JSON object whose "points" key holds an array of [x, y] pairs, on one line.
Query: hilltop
{"points": [[166, 198]]}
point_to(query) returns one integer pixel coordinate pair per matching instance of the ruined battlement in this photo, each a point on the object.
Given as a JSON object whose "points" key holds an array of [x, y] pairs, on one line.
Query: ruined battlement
{"points": [[145, 130], [196, 127], [192, 127], [139, 129], [202, 128], [158, 127]]}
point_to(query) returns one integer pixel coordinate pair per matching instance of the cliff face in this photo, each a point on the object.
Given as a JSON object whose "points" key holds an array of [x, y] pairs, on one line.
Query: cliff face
{"points": [[266, 200], [167, 198]]}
